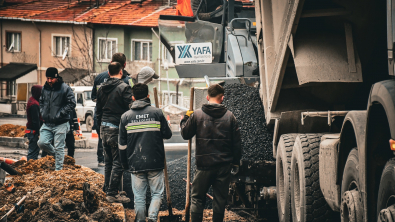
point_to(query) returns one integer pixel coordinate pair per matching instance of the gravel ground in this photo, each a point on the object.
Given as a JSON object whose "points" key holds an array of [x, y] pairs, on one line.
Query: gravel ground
{"points": [[256, 138]]}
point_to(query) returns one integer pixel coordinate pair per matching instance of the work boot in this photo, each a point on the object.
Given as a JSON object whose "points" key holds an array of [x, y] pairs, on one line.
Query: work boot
{"points": [[196, 217], [101, 164], [117, 199], [218, 217]]}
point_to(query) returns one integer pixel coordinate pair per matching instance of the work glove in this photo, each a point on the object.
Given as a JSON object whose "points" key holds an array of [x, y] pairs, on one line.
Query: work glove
{"points": [[235, 169], [189, 113]]}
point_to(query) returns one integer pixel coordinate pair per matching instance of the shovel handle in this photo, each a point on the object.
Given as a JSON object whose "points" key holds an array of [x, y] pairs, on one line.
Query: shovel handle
{"points": [[12, 209], [188, 189]]}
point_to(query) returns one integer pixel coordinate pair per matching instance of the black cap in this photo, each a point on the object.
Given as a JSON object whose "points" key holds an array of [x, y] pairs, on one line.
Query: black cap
{"points": [[52, 72]]}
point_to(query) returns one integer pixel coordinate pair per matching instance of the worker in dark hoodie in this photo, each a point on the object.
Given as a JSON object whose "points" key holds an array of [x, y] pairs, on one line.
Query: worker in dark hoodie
{"points": [[113, 99], [218, 152], [34, 122]]}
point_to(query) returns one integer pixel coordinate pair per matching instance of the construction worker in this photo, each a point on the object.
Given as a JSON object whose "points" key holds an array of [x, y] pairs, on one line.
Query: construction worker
{"points": [[141, 133], [56, 102], [99, 80], [70, 140], [113, 99], [218, 150], [34, 122]]}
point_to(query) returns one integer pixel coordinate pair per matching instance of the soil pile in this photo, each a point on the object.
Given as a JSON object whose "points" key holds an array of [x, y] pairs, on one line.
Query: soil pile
{"points": [[72, 194], [12, 130], [207, 215], [256, 138]]}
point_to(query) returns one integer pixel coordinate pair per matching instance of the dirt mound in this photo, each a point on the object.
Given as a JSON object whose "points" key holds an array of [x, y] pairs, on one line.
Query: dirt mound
{"points": [[12, 130], [72, 194]]}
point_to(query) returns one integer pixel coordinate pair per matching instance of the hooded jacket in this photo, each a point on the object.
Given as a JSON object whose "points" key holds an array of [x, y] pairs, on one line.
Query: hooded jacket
{"points": [[113, 99], [103, 77], [34, 120], [141, 135], [56, 102], [217, 136]]}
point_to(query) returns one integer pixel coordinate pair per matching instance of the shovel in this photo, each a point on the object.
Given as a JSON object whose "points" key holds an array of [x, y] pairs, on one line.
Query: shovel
{"points": [[4, 218], [188, 188], [171, 217]]}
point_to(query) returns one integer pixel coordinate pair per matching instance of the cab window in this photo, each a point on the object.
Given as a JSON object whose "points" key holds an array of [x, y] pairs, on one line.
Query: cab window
{"points": [[80, 100]]}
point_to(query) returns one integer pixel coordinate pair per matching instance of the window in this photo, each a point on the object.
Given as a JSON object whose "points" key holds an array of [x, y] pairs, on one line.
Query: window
{"points": [[166, 56], [80, 100], [88, 95], [173, 99], [107, 48], [13, 41], [61, 45], [142, 50]]}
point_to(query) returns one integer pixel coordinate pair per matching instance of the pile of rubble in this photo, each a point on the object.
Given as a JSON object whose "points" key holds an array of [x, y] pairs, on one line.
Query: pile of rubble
{"points": [[12, 130], [72, 194], [246, 105]]}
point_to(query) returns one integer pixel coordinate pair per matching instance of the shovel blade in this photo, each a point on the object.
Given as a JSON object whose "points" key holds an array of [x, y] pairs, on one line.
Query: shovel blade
{"points": [[174, 218]]}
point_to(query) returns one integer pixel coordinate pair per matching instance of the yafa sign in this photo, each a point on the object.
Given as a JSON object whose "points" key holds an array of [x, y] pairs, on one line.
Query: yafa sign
{"points": [[193, 53]]}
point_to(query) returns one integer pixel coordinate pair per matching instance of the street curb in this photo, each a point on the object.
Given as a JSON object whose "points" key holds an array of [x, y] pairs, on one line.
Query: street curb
{"points": [[22, 142]]}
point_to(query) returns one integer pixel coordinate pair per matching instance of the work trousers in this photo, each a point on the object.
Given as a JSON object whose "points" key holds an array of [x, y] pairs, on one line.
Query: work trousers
{"points": [[57, 133], [70, 143], [113, 169], [34, 150], [100, 151], [155, 180], [219, 179]]}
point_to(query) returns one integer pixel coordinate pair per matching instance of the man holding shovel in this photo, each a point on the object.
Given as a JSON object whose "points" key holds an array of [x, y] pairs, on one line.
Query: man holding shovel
{"points": [[141, 147], [218, 150]]}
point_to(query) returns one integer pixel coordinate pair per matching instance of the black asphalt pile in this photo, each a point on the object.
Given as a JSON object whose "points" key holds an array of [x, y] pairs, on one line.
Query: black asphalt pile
{"points": [[256, 138], [177, 170]]}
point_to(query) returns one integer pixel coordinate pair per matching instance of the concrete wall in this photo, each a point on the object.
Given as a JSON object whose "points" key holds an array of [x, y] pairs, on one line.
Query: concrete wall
{"points": [[80, 44]]}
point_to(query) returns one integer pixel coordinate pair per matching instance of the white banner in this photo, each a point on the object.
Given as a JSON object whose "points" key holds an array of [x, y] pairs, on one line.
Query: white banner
{"points": [[193, 53]]}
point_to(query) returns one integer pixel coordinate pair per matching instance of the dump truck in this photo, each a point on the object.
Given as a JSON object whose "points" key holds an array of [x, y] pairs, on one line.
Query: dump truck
{"points": [[325, 73], [328, 89]]}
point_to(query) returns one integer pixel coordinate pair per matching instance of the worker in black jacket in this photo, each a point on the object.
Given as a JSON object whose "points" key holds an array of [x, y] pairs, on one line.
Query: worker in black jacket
{"points": [[113, 100], [141, 133], [56, 102], [218, 148], [99, 80], [70, 140], [34, 122]]}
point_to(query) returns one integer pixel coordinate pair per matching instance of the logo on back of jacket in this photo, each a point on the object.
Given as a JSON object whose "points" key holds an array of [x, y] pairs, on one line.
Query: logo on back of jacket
{"points": [[142, 118]]}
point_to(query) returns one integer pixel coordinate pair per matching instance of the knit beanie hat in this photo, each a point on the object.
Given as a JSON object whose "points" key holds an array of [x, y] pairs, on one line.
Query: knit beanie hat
{"points": [[52, 72], [145, 75]]}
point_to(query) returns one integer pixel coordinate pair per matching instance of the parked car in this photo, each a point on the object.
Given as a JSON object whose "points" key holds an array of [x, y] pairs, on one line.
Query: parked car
{"points": [[85, 107]]}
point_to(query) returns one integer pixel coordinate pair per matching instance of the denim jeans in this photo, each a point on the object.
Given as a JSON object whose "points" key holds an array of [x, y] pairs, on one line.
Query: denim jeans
{"points": [[34, 150], [113, 169], [57, 133], [155, 180]]}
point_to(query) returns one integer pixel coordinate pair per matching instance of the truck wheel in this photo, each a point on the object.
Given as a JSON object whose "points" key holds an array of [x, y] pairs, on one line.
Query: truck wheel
{"points": [[283, 178], [386, 197], [89, 123], [308, 203], [351, 209]]}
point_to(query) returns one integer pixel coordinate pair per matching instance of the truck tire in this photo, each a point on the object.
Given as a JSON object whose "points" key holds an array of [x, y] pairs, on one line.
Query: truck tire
{"points": [[283, 177], [386, 197], [308, 202], [351, 209], [89, 123]]}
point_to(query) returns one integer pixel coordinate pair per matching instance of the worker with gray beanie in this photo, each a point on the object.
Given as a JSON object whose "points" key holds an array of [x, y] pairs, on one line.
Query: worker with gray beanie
{"points": [[56, 103], [145, 75]]}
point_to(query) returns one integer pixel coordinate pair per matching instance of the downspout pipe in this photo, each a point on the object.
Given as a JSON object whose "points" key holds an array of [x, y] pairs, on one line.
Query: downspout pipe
{"points": [[39, 52], [159, 58]]}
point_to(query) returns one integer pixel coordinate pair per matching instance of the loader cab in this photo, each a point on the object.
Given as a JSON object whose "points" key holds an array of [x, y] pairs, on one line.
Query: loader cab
{"points": [[222, 46]]}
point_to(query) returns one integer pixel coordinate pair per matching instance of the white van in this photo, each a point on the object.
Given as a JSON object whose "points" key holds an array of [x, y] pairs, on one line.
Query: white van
{"points": [[85, 107]]}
